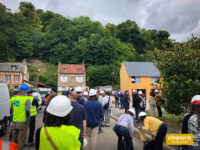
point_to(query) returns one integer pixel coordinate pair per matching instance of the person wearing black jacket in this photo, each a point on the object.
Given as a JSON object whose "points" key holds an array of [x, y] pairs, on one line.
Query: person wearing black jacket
{"points": [[134, 96], [137, 105], [126, 99]]}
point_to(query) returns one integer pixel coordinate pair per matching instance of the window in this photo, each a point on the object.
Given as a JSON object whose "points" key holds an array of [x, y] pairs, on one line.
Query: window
{"points": [[79, 70], [8, 78], [133, 80], [64, 69], [63, 79], [137, 80], [79, 79], [14, 68], [16, 78], [154, 80]]}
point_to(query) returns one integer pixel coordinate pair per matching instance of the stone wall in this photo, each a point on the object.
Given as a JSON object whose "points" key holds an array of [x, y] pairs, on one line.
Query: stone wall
{"points": [[71, 81]]}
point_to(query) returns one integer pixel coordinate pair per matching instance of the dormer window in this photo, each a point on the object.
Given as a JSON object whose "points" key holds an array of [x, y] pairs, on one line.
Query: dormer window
{"points": [[64, 69], [79, 70], [14, 68]]}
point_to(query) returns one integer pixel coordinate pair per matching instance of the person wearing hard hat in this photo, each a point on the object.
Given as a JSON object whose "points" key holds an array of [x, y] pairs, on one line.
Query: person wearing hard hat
{"points": [[107, 104], [20, 116], [134, 96], [94, 113], [80, 99], [34, 106], [101, 96], [158, 102], [138, 105], [125, 122], [191, 124], [79, 116], [157, 128], [85, 96], [57, 134]]}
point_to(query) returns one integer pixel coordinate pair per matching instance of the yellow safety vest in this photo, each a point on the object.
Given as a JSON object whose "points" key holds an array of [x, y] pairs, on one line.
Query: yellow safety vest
{"points": [[19, 109], [64, 137], [33, 108]]}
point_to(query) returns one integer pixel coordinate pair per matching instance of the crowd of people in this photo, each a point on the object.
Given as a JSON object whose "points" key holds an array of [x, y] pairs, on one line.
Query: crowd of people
{"points": [[73, 121]]}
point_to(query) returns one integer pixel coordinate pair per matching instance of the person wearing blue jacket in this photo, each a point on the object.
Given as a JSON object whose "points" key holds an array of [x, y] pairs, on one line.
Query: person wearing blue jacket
{"points": [[94, 113]]}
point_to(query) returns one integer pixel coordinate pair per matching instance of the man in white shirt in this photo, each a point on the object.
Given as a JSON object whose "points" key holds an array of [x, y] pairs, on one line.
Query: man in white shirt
{"points": [[107, 111]]}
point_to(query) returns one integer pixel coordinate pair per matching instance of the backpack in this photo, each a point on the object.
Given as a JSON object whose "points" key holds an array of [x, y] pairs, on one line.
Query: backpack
{"points": [[107, 104]]}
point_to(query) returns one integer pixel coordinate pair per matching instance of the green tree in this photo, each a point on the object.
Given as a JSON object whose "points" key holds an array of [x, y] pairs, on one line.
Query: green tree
{"points": [[179, 70]]}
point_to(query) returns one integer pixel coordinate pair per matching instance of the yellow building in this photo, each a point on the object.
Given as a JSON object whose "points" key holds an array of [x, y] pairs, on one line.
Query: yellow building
{"points": [[139, 76]]}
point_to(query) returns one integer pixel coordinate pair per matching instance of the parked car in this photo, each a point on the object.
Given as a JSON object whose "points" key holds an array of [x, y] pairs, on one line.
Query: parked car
{"points": [[4, 107]]}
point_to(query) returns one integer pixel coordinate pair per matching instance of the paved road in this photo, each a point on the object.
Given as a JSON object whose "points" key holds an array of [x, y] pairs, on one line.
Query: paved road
{"points": [[105, 141]]}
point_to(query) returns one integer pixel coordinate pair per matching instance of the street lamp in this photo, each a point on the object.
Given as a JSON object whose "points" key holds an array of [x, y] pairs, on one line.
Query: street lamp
{"points": [[112, 78]]}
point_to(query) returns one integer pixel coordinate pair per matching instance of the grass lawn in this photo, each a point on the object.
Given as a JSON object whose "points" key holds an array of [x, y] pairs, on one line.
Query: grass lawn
{"points": [[173, 122]]}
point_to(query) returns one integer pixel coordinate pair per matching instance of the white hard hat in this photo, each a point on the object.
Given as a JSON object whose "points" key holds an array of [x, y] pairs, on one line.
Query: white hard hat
{"points": [[102, 92], [134, 90], [59, 106], [132, 111], [92, 92], [195, 99], [78, 89], [85, 93], [156, 91], [140, 92], [141, 114], [84, 142]]}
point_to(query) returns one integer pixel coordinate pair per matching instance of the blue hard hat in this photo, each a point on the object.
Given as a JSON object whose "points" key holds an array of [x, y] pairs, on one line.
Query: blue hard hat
{"points": [[24, 88]]}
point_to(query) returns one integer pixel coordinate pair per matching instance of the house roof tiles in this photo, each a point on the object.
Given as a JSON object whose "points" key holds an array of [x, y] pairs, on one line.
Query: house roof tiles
{"points": [[12, 67], [141, 69], [71, 68]]}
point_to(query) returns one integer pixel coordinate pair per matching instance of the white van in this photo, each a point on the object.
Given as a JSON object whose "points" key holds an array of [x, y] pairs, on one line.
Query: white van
{"points": [[4, 107]]}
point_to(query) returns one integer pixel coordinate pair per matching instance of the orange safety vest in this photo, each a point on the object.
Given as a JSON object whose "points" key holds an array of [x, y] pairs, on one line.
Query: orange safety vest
{"points": [[6, 145]]}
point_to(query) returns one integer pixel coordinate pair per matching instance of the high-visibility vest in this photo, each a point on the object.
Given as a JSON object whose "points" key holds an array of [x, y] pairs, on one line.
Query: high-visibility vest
{"points": [[64, 137], [6, 145], [33, 108], [19, 109]]}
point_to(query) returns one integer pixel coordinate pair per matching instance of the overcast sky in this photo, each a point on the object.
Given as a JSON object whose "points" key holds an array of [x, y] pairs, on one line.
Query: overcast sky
{"points": [[179, 17]]}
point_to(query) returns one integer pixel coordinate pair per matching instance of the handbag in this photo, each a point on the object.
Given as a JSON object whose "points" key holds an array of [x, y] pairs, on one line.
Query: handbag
{"points": [[49, 139], [107, 104], [149, 145]]}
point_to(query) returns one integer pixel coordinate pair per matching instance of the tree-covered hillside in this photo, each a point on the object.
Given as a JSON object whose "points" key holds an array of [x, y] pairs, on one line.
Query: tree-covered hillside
{"points": [[50, 37]]}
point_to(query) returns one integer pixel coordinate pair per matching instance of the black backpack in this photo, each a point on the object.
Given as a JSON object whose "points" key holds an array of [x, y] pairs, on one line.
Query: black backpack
{"points": [[107, 104]]}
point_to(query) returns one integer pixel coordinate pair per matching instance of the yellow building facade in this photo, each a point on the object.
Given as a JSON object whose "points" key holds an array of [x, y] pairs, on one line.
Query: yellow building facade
{"points": [[139, 76]]}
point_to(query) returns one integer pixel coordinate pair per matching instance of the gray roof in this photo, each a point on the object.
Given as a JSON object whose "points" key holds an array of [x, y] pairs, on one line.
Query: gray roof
{"points": [[141, 69], [8, 67]]}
